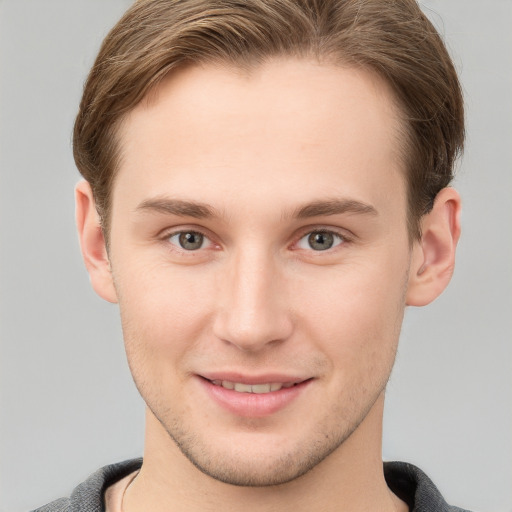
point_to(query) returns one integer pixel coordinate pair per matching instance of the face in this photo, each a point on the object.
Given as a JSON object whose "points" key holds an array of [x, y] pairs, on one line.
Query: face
{"points": [[260, 254]]}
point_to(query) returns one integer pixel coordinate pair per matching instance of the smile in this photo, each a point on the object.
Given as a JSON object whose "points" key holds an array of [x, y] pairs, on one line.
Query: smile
{"points": [[254, 397], [253, 388]]}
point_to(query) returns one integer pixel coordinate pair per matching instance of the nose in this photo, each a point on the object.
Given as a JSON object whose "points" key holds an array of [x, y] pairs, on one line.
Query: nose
{"points": [[252, 311]]}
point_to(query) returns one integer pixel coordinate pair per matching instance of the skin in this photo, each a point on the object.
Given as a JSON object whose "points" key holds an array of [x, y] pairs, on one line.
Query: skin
{"points": [[255, 149]]}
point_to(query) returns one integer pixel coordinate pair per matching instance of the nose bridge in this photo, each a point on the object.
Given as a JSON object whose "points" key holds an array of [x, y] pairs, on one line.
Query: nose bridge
{"points": [[253, 308]]}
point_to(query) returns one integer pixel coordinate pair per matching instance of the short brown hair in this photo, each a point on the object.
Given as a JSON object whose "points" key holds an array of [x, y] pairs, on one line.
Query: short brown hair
{"points": [[391, 37]]}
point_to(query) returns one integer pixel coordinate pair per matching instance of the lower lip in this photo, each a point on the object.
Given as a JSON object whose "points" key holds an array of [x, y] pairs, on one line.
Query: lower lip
{"points": [[254, 405]]}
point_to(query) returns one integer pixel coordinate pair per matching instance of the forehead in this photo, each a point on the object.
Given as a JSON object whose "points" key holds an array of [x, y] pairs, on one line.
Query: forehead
{"points": [[286, 129]]}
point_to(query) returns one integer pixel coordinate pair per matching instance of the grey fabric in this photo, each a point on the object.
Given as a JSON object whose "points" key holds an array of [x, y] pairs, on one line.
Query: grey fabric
{"points": [[414, 487], [405, 480], [88, 496]]}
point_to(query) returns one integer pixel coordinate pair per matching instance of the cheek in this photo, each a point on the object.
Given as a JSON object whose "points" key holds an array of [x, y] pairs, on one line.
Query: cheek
{"points": [[356, 314], [163, 314]]}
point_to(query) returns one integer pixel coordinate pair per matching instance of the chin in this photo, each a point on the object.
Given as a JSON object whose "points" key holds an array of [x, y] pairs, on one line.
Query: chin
{"points": [[242, 472], [242, 462]]}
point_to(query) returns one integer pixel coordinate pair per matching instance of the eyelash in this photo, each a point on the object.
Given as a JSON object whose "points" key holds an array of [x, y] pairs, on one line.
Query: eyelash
{"points": [[169, 236], [342, 239]]}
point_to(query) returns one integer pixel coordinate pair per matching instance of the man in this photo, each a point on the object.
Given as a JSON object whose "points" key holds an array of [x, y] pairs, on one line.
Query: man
{"points": [[266, 190]]}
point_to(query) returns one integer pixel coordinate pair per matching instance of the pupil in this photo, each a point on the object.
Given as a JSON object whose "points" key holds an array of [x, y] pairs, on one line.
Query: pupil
{"points": [[191, 240], [321, 241]]}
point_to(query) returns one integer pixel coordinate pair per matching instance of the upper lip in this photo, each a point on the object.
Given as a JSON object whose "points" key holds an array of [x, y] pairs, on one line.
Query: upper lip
{"points": [[253, 379]]}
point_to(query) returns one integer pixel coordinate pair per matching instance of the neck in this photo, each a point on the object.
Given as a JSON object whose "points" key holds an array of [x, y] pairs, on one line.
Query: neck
{"points": [[350, 478]]}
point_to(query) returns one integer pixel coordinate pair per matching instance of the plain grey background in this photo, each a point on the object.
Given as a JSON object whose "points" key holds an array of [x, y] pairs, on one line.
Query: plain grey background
{"points": [[68, 404]]}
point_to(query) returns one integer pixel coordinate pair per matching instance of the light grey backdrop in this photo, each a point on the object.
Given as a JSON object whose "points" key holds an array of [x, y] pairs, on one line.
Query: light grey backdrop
{"points": [[68, 404]]}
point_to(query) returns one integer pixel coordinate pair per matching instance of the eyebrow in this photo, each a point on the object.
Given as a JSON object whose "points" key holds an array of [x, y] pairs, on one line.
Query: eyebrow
{"points": [[199, 210], [333, 207], [177, 207]]}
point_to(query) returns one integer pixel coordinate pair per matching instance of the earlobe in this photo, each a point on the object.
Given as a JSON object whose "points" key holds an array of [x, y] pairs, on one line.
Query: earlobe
{"points": [[92, 243], [433, 257]]}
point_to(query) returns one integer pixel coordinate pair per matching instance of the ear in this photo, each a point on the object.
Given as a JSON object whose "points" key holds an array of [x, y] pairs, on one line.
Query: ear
{"points": [[433, 256], [92, 243]]}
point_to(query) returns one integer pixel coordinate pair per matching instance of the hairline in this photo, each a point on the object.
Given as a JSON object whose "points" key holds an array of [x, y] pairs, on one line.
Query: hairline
{"points": [[401, 135]]}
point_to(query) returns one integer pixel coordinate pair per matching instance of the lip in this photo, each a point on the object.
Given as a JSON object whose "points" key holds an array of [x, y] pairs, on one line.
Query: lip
{"points": [[253, 405], [254, 379]]}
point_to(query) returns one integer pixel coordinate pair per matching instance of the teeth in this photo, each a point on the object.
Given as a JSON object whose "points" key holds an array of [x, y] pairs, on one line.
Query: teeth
{"points": [[261, 388], [252, 388], [243, 388]]}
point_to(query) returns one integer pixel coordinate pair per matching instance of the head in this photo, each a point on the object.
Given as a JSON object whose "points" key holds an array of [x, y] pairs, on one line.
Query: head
{"points": [[270, 179], [394, 40]]}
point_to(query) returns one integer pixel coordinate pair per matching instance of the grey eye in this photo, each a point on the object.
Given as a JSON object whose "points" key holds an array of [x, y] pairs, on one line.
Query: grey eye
{"points": [[188, 240], [320, 240]]}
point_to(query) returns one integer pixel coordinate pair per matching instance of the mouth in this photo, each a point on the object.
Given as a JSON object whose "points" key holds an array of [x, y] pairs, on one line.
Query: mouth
{"points": [[255, 397], [260, 389]]}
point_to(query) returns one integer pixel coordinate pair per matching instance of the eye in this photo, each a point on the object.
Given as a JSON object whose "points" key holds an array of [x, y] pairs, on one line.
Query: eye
{"points": [[320, 240], [189, 240]]}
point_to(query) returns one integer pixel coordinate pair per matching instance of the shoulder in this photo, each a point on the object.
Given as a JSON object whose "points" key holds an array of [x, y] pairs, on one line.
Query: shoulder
{"points": [[88, 496], [414, 487]]}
